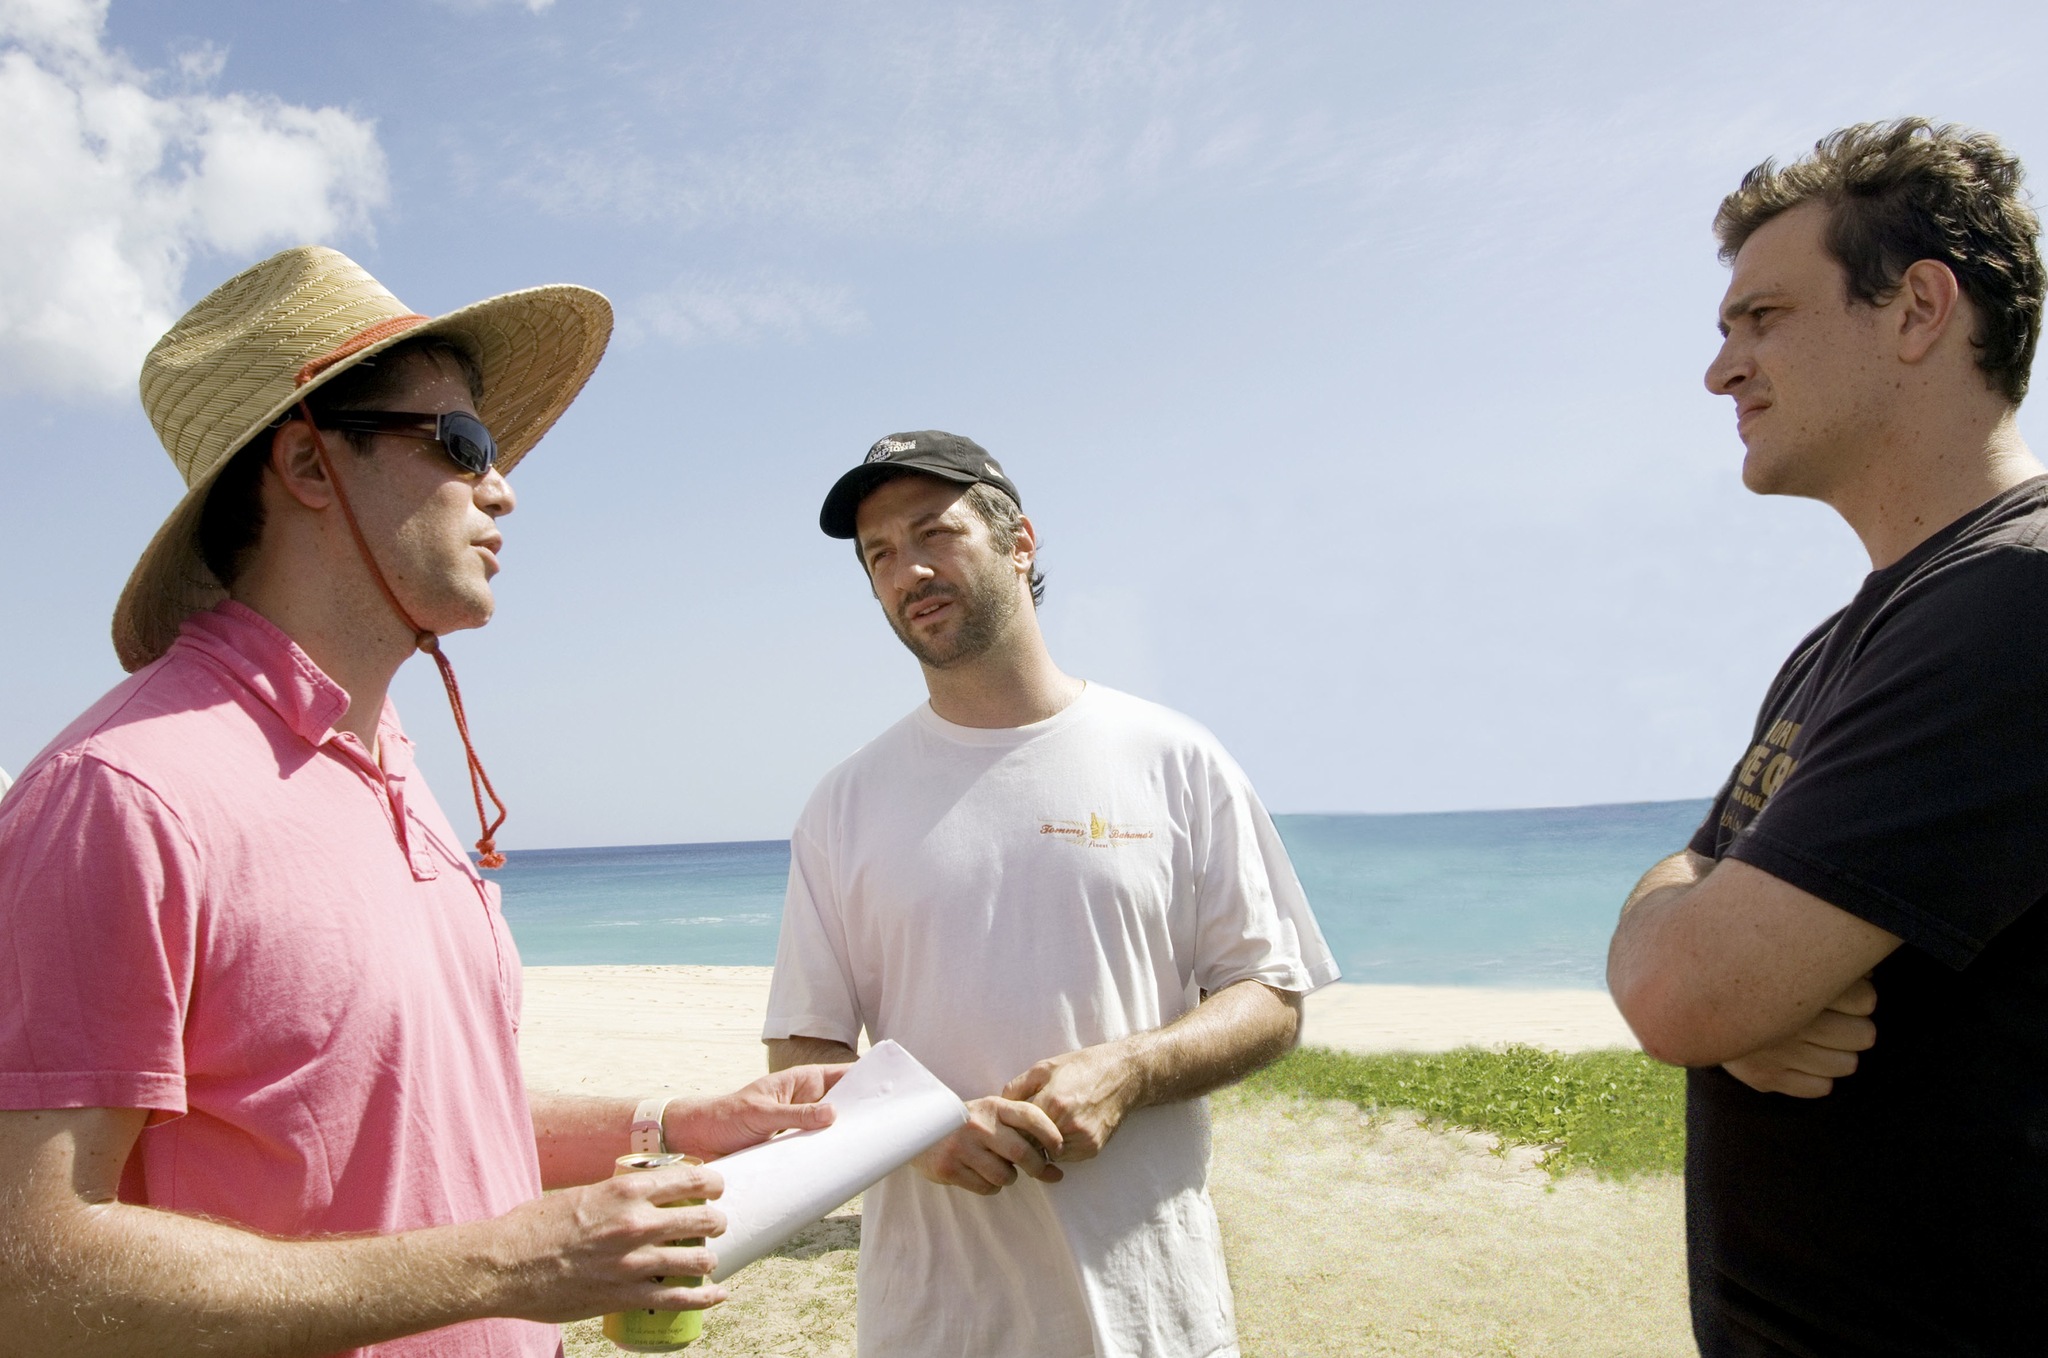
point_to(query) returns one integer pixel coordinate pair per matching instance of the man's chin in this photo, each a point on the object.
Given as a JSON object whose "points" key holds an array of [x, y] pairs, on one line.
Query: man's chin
{"points": [[1764, 475], [474, 610], [954, 650], [930, 657]]}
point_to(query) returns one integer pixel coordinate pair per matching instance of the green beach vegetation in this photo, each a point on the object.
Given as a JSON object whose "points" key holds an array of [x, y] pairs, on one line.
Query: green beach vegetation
{"points": [[1616, 1113]]}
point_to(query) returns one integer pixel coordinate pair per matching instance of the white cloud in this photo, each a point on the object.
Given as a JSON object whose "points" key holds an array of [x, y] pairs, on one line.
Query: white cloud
{"points": [[701, 309], [911, 119], [115, 176], [473, 6], [201, 63]]}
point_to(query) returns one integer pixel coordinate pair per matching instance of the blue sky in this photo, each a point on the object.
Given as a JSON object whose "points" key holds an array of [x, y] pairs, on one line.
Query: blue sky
{"points": [[1348, 357]]}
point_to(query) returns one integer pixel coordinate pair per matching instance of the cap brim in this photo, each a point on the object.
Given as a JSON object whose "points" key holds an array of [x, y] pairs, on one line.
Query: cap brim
{"points": [[842, 502], [535, 348]]}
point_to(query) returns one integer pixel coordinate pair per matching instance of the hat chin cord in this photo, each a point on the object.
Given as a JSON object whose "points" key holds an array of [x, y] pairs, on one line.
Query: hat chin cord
{"points": [[480, 787]]}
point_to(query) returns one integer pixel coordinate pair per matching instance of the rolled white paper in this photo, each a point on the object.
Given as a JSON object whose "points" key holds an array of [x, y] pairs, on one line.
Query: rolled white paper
{"points": [[890, 1110]]}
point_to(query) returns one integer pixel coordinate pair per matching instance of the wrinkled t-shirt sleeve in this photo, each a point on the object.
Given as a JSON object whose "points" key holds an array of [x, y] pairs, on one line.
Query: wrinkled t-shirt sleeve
{"points": [[1920, 802], [1253, 921], [812, 994], [98, 930]]}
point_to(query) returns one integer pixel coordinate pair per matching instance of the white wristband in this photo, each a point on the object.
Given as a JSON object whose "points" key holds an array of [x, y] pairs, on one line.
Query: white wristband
{"points": [[648, 1138]]}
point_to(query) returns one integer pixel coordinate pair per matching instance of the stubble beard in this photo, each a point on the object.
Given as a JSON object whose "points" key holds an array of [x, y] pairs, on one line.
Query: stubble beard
{"points": [[442, 586], [986, 607]]}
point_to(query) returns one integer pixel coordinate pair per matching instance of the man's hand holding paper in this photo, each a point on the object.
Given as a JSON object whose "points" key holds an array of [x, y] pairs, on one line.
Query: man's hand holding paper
{"points": [[889, 1109], [1087, 1094], [1003, 1136], [788, 1100]]}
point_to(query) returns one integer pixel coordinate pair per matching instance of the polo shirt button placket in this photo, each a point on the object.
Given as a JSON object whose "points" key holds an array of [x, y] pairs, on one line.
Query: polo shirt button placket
{"points": [[414, 844], [390, 789]]}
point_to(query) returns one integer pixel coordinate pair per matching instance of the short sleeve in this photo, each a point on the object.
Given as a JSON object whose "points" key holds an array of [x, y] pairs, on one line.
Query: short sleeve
{"points": [[1253, 921], [812, 994], [98, 928], [1706, 840], [1919, 801]]}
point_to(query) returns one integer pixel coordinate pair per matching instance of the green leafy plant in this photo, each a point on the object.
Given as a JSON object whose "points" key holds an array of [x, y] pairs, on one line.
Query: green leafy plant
{"points": [[1616, 1113]]}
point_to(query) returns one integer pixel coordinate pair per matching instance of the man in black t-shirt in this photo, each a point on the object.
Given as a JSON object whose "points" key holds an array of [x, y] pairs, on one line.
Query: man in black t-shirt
{"points": [[1850, 955]]}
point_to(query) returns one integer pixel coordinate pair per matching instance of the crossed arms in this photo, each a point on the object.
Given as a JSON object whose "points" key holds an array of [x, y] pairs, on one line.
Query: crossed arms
{"points": [[1722, 964], [1067, 1107], [83, 1274]]}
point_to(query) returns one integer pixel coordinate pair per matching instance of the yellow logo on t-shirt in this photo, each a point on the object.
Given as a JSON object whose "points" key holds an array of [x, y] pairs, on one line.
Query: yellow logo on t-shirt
{"points": [[1094, 833], [1769, 764]]}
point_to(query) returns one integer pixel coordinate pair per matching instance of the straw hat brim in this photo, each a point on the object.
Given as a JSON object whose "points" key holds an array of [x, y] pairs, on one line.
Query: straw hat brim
{"points": [[535, 348]]}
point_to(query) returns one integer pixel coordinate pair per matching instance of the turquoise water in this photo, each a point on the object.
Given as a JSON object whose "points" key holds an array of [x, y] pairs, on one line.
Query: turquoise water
{"points": [[1502, 898]]}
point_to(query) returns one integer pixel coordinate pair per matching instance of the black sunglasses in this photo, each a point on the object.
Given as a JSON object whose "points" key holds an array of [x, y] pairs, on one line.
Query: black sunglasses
{"points": [[461, 435]]}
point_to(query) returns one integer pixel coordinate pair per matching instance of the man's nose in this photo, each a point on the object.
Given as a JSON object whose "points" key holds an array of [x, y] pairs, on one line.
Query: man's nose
{"points": [[908, 574], [1727, 371], [494, 494]]}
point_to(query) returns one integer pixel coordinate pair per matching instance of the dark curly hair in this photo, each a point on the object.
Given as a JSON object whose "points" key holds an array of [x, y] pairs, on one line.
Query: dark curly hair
{"points": [[1907, 190]]}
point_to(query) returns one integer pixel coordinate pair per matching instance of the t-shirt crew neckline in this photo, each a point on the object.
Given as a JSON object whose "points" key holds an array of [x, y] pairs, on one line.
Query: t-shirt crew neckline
{"points": [[1005, 735], [1961, 524]]}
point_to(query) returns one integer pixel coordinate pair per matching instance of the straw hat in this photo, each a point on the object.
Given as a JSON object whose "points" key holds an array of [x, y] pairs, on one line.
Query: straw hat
{"points": [[260, 342]]}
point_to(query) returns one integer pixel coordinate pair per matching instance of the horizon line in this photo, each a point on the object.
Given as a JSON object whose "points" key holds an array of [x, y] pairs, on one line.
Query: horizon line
{"points": [[1277, 815]]}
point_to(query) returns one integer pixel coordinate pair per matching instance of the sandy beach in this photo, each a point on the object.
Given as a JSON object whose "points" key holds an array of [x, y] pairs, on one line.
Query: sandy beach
{"points": [[1346, 1234], [697, 1030]]}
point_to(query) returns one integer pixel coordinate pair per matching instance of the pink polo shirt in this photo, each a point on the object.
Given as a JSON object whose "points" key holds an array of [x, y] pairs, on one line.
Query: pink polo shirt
{"points": [[216, 907]]}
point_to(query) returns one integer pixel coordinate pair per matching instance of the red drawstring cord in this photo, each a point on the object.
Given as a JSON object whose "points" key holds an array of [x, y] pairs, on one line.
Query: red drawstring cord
{"points": [[479, 781]]}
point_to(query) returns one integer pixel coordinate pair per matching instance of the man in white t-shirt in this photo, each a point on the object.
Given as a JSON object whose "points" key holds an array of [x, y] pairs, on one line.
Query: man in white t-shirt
{"points": [[1070, 905]]}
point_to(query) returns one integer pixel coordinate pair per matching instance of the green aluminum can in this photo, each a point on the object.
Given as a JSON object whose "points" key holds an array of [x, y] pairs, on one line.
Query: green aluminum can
{"points": [[656, 1331]]}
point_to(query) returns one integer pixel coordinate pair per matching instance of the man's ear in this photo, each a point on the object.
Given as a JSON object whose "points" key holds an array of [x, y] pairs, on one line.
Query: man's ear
{"points": [[296, 463], [1025, 551], [1929, 304]]}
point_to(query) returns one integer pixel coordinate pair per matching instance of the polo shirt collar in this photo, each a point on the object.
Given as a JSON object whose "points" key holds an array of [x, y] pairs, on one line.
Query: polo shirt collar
{"points": [[271, 666]]}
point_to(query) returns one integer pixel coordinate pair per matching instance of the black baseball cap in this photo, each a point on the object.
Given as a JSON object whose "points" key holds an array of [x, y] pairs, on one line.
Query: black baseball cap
{"points": [[932, 452]]}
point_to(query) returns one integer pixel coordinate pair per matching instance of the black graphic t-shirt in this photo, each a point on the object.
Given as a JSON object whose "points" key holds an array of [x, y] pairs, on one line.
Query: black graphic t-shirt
{"points": [[1899, 770]]}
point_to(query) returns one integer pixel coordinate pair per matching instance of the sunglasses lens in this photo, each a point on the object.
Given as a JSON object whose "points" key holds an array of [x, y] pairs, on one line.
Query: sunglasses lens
{"points": [[468, 443]]}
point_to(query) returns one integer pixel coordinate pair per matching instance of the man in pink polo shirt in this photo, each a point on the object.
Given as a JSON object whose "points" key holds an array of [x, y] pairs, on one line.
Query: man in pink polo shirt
{"points": [[259, 1077]]}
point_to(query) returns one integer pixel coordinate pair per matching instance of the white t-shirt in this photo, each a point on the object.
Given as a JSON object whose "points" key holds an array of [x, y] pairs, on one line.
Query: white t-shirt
{"points": [[988, 898]]}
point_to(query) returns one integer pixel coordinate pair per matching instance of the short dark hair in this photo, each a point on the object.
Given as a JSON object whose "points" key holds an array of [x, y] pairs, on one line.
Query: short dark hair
{"points": [[1002, 515], [1903, 191], [231, 523]]}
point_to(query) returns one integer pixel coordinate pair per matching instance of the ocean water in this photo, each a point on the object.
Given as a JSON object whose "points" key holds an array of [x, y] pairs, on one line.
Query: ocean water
{"points": [[1493, 898]]}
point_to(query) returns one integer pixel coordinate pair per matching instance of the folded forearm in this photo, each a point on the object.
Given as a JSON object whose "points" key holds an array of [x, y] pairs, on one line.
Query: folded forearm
{"points": [[113, 1279], [1681, 870], [1636, 933]]}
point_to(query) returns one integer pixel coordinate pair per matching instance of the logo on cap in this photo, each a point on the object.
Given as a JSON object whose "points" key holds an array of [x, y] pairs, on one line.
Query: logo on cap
{"points": [[882, 450]]}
